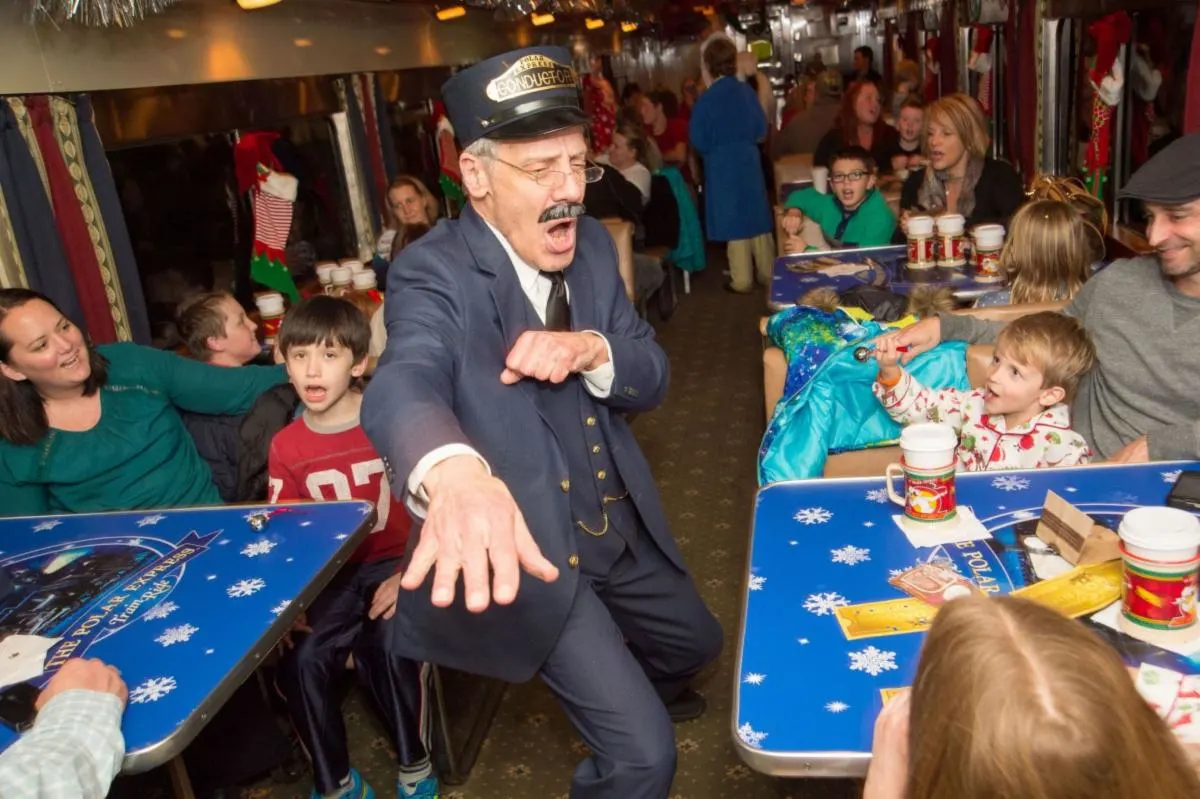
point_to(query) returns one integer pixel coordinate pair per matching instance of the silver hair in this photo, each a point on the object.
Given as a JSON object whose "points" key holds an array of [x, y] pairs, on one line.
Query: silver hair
{"points": [[483, 148]]}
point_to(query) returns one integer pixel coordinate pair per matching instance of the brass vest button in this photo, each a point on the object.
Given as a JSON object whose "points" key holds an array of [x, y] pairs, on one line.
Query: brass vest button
{"points": [[595, 449], [565, 485], [590, 421], [601, 474], [573, 561]]}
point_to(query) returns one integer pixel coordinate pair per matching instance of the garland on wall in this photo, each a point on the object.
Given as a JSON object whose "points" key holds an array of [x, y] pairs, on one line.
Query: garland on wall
{"points": [[98, 13]]}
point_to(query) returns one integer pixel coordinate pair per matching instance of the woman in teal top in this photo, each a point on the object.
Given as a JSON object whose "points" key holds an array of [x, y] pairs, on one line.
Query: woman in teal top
{"points": [[87, 428], [852, 214]]}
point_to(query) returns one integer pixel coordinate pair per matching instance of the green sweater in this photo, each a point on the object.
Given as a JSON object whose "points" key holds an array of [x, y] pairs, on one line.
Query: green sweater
{"points": [[871, 225], [139, 455]]}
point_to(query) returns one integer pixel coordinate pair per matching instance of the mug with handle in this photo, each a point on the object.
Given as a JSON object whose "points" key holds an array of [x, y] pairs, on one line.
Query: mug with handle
{"points": [[927, 464]]}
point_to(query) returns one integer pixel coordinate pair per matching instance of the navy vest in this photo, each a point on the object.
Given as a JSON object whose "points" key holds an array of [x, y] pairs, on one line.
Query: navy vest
{"points": [[596, 492]]}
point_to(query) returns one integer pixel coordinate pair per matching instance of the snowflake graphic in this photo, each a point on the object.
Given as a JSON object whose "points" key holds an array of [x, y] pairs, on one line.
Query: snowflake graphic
{"points": [[177, 635], [223, 542], [150, 520], [754, 678], [1072, 489], [873, 661], [160, 611], [837, 707], [49, 524], [254, 515], [823, 604], [1010, 483], [802, 641], [364, 510], [878, 495], [793, 543], [756, 582], [812, 516], [850, 555], [152, 690], [868, 524], [305, 524], [896, 572], [341, 537], [1025, 514], [751, 736], [246, 587], [260, 547], [281, 607], [211, 577], [1171, 476], [209, 651]]}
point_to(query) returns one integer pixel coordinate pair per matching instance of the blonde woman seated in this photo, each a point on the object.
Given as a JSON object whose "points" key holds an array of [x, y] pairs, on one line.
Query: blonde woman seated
{"points": [[410, 204], [1012, 699], [1047, 256]]}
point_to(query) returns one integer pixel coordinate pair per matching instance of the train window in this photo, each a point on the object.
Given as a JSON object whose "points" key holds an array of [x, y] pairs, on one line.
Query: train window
{"points": [[191, 231]]}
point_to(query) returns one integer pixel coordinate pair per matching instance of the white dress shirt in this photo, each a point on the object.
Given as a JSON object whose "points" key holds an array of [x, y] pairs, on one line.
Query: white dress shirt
{"points": [[598, 381]]}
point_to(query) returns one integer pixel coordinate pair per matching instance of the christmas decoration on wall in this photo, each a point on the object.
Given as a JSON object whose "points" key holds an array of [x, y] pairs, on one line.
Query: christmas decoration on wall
{"points": [[933, 85], [1150, 67], [272, 194], [1107, 76], [449, 177], [981, 63], [98, 13]]}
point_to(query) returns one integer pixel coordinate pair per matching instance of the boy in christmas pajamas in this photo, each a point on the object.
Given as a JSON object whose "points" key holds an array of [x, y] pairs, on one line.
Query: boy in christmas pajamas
{"points": [[1020, 418]]}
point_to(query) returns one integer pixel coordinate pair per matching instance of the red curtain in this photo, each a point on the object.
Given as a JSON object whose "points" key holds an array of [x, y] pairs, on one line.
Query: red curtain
{"points": [[72, 227], [1191, 107], [1023, 86], [948, 48]]}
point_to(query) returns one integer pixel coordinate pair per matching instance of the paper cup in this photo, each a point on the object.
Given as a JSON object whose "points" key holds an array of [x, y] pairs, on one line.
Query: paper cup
{"points": [[919, 226], [820, 176], [269, 304], [988, 237], [951, 224], [325, 272]]}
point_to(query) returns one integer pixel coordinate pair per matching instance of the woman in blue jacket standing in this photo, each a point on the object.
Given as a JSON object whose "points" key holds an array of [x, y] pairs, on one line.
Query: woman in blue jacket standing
{"points": [[727, 125]]}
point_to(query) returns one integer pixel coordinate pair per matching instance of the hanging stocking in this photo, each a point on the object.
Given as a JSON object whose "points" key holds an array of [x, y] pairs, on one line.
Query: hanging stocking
{"points": [[981, 63], [273, 198], [449, 177], [932, 85], [1107, 77]]}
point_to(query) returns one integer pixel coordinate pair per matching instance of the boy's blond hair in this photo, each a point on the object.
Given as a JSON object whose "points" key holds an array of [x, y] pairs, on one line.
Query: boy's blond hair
{"points": [[1057, 344]]}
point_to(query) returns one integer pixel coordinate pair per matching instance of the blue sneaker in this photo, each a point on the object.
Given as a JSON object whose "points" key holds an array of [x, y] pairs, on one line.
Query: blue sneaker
{"points": [[425, 789], [357, 789]]}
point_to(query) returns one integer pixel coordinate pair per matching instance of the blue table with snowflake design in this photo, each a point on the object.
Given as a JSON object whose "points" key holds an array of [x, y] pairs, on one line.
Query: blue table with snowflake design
{"points": [[184, 602], [808, 693]]}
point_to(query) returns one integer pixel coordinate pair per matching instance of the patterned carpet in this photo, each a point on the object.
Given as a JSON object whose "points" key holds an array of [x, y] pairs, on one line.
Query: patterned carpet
{"points": [[702, 445]]}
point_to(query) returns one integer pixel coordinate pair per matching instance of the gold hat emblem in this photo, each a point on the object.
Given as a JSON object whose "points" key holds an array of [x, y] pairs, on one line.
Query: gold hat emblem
{"points": [[530, 74]]}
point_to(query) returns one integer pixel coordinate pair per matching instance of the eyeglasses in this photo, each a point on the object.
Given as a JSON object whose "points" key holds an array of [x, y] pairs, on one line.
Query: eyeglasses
{"points": [[553, 178], [842, 177]]}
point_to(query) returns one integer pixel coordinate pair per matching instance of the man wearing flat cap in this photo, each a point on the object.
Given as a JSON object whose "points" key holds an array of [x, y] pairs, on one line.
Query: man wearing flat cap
{"points": [[513, 355], [1141, 401]]}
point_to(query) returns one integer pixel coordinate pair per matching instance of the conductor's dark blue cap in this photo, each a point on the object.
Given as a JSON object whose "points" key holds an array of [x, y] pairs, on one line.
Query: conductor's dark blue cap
{"points": [[521, 94]]}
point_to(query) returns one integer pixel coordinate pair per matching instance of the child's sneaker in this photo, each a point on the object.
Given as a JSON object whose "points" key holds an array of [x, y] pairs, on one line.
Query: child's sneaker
{"points": [[357, 789], [425, 789]]}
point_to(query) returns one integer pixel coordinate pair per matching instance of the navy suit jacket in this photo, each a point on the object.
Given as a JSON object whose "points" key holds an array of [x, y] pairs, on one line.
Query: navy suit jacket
{"points": [[454, 310]]}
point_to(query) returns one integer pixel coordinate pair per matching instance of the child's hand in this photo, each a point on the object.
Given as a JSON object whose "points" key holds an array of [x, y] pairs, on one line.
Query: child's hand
{"points": [[888, 357], [794, 244], [383, 604], [792, 219], [888, 774]]}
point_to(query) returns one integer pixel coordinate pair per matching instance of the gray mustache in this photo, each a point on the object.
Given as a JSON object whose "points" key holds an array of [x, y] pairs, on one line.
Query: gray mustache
{"points": [[564, 211]]}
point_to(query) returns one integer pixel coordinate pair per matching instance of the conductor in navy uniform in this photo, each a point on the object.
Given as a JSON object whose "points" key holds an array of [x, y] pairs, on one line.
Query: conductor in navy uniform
{"points": [[498, 407]]}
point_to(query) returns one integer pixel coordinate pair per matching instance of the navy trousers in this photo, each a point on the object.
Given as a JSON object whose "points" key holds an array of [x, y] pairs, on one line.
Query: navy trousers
{"points": [[310, 675], [636, 635]]}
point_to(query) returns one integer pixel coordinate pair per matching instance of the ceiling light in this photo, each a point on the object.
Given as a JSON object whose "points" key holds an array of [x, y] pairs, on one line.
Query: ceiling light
{"points": [[541, 19], [251, 5], [628, 27], [592, 23], [450, 12], [381, 50], [176, 33], [302, 42]]}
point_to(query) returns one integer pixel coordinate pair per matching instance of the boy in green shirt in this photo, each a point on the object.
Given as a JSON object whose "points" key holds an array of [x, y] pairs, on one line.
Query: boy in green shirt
{"points": [[852, 214]]}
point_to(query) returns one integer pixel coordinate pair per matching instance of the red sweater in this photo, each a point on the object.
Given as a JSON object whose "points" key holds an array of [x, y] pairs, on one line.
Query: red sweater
{"points": [[331, 464]]}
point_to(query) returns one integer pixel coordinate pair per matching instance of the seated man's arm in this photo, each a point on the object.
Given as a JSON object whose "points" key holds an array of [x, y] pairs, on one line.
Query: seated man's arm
{"points": [[1174, 442], [957, 327]]}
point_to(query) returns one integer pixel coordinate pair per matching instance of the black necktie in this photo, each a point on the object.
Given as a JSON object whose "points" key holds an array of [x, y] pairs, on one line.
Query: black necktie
{"points": [[558, 310]]}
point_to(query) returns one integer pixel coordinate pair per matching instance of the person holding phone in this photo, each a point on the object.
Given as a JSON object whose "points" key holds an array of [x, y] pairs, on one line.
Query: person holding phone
{"points": [[73, 747]]}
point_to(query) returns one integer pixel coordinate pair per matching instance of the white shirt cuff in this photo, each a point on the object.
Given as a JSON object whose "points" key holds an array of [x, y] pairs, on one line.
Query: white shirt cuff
{"points": [[418, 499], [599, 381]]}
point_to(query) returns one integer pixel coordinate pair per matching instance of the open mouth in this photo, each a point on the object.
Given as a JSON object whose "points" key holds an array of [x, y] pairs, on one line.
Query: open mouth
{"points": [[560, 236], [71, 361], [315, 394]]}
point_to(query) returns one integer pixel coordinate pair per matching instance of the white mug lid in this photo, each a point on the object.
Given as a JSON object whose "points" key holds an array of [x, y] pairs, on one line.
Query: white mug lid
{"points": [[951, 223], [353, 264], [269, 303], [364, 279], [928, 437], [342, 275], [1159, 527], [919, 225]]}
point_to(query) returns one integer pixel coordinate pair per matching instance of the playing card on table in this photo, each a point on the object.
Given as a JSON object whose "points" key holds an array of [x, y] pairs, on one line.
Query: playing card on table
{"points": [[1159, 687], [933, 583]]}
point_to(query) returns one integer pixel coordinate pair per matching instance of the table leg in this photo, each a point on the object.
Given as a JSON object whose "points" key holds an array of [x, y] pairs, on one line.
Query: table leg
{"points": [[181, 784]]}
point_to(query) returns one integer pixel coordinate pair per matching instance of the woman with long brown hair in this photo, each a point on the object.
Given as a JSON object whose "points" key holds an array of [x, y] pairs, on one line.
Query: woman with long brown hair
{"points": [[859, 123], [1013, 699], [409, 203], [86, 428]]}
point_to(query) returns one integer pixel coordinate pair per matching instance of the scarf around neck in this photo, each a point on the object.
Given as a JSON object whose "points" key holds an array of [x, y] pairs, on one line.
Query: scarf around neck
{"points": [[932, 194]]}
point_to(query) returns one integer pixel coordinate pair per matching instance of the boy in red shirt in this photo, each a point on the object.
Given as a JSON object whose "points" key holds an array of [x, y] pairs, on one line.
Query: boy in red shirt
{"points": [[325, 455]]}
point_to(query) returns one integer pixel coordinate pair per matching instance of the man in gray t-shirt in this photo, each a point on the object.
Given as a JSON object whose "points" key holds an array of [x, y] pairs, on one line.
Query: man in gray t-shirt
{"points": [[1141, 401]]}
